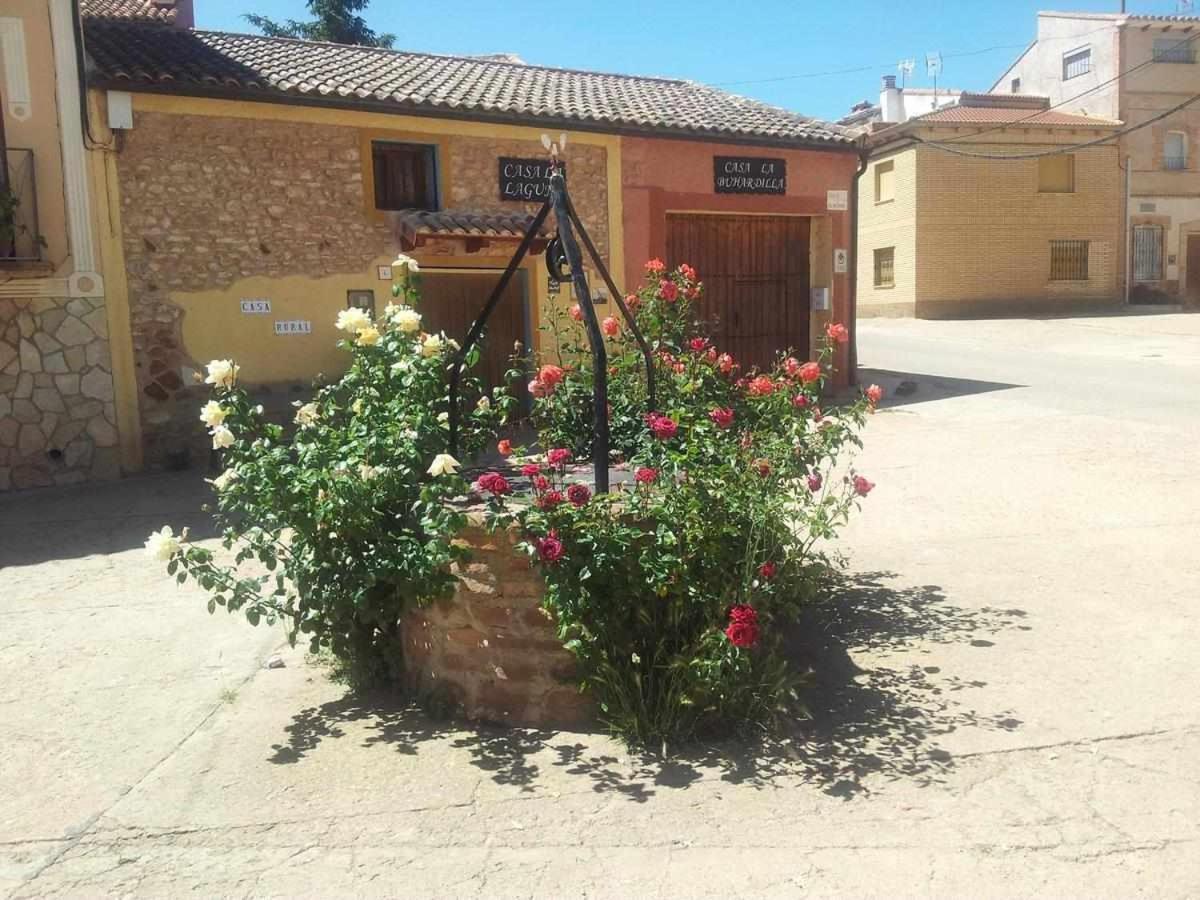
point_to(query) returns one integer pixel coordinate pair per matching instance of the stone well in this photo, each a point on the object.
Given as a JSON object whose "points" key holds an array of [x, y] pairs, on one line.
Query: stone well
{"points": [[490, 650]]}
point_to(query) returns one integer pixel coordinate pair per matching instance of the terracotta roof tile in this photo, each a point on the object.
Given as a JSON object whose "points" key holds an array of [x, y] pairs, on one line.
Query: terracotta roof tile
{"points": [[146, 57], [994, 115], [155, 10], [463, 223]]}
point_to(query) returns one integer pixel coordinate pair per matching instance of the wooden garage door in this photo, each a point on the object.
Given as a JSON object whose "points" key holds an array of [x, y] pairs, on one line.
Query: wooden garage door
{"points": [[450, 301], [755, 274]]}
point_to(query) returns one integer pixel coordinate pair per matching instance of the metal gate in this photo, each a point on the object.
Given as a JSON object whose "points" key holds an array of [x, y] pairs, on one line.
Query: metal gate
{"points": [[1147, 253]]}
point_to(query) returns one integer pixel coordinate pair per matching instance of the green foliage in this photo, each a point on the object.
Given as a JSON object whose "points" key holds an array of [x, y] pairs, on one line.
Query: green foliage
{"points": [[10, 228], [345, 521], [733, 490], [337, 21]]}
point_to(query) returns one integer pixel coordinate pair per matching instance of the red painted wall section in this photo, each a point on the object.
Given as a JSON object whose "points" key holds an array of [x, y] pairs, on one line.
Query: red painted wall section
{"points": [[660, 176]]}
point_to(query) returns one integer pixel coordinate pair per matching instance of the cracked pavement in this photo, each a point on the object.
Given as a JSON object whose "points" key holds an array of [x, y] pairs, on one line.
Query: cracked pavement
{"points": [[1004, 700]]}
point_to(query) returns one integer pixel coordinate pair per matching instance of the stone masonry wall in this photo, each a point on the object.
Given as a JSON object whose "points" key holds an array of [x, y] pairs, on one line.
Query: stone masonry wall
{"points": [[207, 201], [57, 419], [490, 651]]}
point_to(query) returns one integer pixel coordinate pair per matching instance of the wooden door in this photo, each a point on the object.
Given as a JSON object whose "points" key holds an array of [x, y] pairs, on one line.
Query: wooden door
{"points": [[755, 271], [450, 302], [1193, 269]]}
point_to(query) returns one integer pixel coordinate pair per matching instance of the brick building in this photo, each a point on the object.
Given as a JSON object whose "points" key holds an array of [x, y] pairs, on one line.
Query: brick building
{"points": [[254, 186], [947, 229]]}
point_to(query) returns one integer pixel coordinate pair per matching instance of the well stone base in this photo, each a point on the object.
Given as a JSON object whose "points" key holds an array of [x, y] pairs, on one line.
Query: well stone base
{"points": [[490, 651]]}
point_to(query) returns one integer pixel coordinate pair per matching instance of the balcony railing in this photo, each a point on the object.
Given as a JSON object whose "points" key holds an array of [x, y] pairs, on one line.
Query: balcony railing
{"points": [[1175, 163], [20, 239]]}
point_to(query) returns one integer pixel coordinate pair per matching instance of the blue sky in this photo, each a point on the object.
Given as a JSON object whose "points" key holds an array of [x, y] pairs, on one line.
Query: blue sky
{"points": [[751, 47]]}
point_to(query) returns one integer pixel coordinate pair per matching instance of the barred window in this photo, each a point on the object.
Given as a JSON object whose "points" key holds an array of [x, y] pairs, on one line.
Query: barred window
{"points": [[1077, 62], [1068, 260], [1174, 50], [885, 267]]}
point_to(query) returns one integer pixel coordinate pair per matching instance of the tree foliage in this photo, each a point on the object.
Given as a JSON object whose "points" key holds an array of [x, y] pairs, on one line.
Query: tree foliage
{"points": [[336, 21]]}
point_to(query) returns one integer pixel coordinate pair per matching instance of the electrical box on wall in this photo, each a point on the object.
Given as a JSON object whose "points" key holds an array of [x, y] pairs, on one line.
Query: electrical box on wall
{"points": [[120, 110], [820, 299]]}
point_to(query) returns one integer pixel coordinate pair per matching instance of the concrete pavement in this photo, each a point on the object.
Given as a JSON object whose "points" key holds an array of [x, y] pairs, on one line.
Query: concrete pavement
{"points": [[1005, 700]]}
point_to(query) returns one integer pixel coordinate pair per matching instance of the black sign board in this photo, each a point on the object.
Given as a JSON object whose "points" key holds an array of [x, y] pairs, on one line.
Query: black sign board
{"points": [[524, 180], [749, 175]]}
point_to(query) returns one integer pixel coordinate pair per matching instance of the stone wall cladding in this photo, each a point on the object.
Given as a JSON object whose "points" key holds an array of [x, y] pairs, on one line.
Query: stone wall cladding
{"points": [[207, 201], [490, 650], [57, 418]]}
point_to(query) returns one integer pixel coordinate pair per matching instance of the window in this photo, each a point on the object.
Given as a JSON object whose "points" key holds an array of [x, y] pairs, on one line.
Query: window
{"points": [[1068, 260], [1056, 174], [1077, 62], [885, 267], [405, 175], [1015, 85], [1147, 252], [1173, 50], [1175, 150], [885, 181]]}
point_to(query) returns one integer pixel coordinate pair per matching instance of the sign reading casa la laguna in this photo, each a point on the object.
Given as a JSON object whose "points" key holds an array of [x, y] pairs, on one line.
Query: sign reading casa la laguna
{"points": [[525, 180], [749, 175]]}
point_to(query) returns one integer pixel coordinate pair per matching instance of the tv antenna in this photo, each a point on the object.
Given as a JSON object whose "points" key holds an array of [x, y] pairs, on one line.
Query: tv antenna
{"points": [[933, 68], [1185, 7], [905, 68]]}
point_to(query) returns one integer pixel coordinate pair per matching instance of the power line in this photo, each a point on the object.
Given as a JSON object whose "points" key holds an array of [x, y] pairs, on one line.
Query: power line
{"points": [[937, 145]]}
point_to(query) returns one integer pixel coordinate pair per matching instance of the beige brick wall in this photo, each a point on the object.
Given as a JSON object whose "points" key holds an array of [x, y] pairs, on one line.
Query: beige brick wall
{"points": [[888, 224], [985, 230]]}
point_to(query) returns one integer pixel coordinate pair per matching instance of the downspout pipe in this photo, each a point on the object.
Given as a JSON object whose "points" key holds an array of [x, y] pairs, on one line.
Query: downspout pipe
{"points": [[1127, 240], [852, 360]]}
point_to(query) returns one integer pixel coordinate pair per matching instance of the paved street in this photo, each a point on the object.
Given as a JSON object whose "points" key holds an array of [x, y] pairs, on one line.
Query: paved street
{"points": [[1006, 699]]}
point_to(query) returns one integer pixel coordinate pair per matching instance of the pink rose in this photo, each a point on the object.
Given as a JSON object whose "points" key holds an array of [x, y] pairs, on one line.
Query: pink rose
{"points": [[762, 386], [656, 265], [837, 332], [725, 363], [800, 401], [814, 482], [530, 469], [577, 313], [610, 326], [549, 548], [662, 427], [810, 372], [504, 447], [550, 375], [874, 394], [722, 418], [559, 456], [668, 290], [862, 487], [687, 272]]}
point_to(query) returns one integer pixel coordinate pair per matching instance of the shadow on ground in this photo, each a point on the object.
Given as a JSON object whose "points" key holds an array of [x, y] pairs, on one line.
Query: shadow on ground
{"points": [[906, 388], [865, 720]]}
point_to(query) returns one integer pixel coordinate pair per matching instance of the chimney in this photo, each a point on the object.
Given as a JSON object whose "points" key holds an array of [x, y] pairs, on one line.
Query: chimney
{"points": [[891, 101]]}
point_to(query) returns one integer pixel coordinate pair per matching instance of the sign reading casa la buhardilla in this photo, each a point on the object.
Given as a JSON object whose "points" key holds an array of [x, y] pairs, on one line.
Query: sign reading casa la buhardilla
{"points": [[524, 180], [749, 175]]}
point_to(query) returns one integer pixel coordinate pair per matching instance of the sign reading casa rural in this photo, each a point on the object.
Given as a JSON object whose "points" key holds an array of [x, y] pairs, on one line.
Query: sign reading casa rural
{"points": [[524, 180], [749, 175]]}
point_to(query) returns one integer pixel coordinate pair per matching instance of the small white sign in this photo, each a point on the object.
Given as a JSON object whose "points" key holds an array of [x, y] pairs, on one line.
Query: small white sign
{"points": [[385, 273], [837, 200], [256, 306], [293, 326], [841, 260]]}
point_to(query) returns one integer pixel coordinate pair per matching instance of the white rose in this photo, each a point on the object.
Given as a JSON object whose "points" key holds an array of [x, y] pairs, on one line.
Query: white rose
{"points": [[226, 478], [403, 261], [163, 544], [443, 464], [353, 320], [407, 320], [367, 337], [222, 373], [357, 406], [367, 472], [484, 404], [432, 346], [307, 414], [222, 438], [213, 414]]}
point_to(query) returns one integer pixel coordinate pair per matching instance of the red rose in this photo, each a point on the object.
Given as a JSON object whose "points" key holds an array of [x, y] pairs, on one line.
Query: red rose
{"points": [[550, 499], [610, 326], [504, 447], [494, 483], [679, 368], [577, 313], [662, 427], [814, 482], [645, 475], [800, 401], [633, 301], [579, 494], [762, 386], [558, 456], [656, 265], [550, 375], [874, 394], [791, 365], [837, 332], [540, 482], [668, 290], [810, 372], [692, 293], [698, 344], [725, 363], [711, 354], [687, 272], [742, 630], [549, 548], [767, 570], [530, 469], [862, 487], [723, 418]]}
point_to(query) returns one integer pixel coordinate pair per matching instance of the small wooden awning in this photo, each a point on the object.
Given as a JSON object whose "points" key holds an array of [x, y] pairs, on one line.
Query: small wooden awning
{"points": [[415, 227]]}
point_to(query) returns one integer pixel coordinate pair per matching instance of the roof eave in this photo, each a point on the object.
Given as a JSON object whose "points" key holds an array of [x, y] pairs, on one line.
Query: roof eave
{"points": [[846, 144]]}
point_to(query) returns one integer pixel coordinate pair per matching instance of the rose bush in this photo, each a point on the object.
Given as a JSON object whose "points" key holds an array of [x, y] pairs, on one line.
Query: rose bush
{"points": [[343, 518], [671, 590]]}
